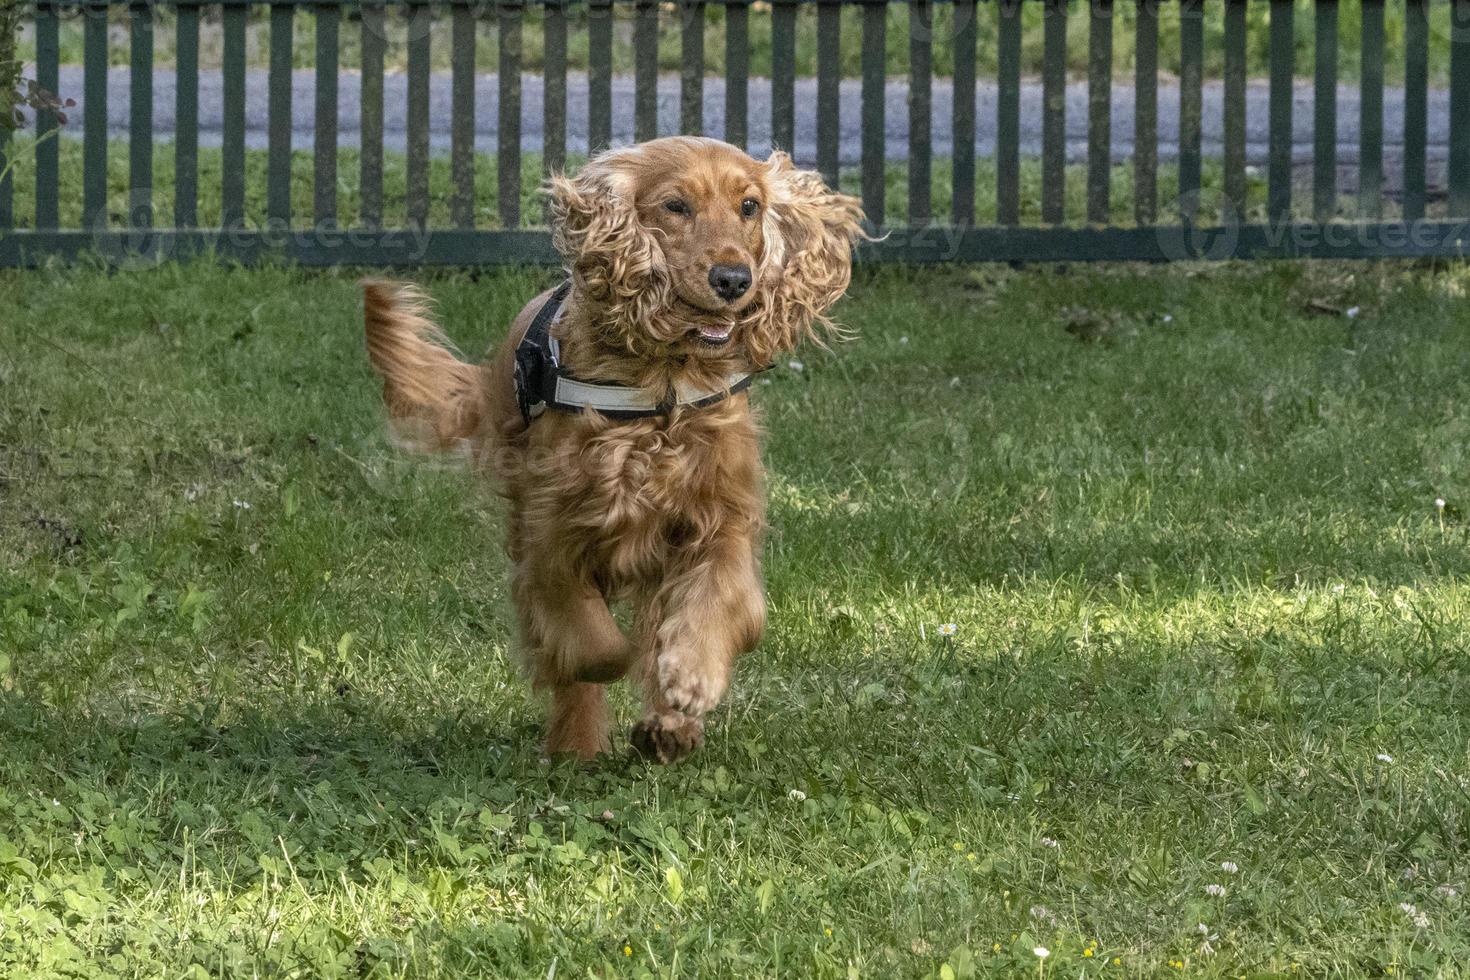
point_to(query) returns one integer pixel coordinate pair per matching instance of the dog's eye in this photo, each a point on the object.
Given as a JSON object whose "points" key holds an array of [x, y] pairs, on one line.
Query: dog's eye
{"points": [[749, 207], [676, 206]]}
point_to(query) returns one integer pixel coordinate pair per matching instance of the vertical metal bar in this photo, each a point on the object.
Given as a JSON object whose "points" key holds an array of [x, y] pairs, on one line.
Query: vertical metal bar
{"points": [[324, 188], [1008, 114], [1191, 105], [1324, 98], [462, 111], [508, 126], [962, 209], [1459, 204], [186, 117], [783, 74], [416, 199], [599, 74], [645, 70], [374, 42], [1370, 118], [7, 182], [48, 59], [1283, 55], [921, 48], [737, 72], [140, 116], [1099, 111], [691, 74], [554, 90], [1416, 104], [829, 81], [1146, 113], [232, 153], [1234, 130], [278, 152], [94, 116], [874, 61], [1054, 113]]}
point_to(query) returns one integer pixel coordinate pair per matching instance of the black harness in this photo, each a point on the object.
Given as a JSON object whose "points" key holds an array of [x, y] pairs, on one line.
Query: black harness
{"points": [[541, 381]]}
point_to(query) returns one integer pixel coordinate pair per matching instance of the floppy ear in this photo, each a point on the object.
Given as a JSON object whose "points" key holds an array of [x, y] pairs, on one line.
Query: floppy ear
{"points": [[809, 231], [613, 260]]}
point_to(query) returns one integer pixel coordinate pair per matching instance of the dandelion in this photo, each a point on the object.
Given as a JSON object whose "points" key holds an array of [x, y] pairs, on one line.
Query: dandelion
{"points": [[1439, 503], [827, 931], [1041, 952], [1088, 952], [995, 947], [1215, 891], [1117, 961], [796, 796], [970, 857], [958, 846], [1384, 757], [948, 629], [627, 950], [1229, 867]]}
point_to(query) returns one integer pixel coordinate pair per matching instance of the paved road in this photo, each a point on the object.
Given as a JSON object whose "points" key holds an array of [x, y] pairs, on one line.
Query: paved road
{"points": [[487, 100]]}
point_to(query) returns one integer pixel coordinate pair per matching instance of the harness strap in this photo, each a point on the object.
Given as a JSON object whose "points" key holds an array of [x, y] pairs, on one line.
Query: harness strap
{"points": [[541, 382]]}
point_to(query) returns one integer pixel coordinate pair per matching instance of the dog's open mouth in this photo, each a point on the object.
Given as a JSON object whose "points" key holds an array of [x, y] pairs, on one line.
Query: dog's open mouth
{"points": [[714, 335]]}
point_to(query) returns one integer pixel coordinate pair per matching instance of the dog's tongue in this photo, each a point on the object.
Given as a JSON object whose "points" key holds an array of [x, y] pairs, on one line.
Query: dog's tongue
{"points": [[710, 332]]}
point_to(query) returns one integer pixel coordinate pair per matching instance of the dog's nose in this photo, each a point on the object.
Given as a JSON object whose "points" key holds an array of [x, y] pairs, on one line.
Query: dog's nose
{"points": [[730, 282]]}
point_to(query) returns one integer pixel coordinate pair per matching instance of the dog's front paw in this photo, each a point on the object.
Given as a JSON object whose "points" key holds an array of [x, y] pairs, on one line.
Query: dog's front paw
{"points": [[667, 738], [689, 684]]}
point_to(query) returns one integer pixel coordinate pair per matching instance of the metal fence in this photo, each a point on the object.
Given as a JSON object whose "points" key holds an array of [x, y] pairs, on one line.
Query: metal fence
{"points": [[1199, 220]]}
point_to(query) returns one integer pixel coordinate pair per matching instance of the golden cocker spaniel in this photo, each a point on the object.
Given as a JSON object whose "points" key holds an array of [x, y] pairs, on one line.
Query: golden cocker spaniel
{"points": [[615, 421]]}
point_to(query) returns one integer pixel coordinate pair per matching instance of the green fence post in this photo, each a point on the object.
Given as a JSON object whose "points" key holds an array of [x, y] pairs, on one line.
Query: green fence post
{"points": [[48, 59], [1054, 113], [278, 101], [962, 208], [186, 116], [462, 107], [737, 72], [874, 94], [94, 116], [1099, 111], [691, 68], [508, 125], [1146, 113], [370, 160], [1324, 97], [783, 74], [921, 148], [1283, 55], [1370, 118], [324, 150], [416, 197], [232, 153], [1008, 114], [645, 70]]}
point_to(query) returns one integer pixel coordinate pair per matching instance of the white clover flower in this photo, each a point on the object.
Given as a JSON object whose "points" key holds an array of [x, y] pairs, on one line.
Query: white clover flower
{"points": [[796, 796], [903, 340], [948, 629], [1041, 952], [242, 504], [1447, 891], [796, 366], [1384, 757], [1050, 842], [1439, 503], [1215, 891], [1352, 312], [1229, 867], [1168, 318]]}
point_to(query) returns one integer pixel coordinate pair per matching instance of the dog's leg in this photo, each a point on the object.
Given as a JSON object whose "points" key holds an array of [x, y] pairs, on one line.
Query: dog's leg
{"points": [[710, 610], [570, 635], [580, 723]]}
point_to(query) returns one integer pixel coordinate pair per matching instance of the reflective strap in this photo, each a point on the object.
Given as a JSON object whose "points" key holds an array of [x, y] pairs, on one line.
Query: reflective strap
{"points": [[571, 393]]}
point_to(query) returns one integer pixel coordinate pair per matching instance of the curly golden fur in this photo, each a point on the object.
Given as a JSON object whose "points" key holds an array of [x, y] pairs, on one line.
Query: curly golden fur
{"points": [[689, 261]]}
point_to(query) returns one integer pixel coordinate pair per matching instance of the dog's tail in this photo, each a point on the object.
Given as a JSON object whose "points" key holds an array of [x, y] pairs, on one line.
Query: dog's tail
{"points": [[432, 396]]}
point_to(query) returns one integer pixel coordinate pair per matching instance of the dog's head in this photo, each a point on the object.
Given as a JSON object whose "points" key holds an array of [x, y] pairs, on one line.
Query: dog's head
{"points": [[688, 246]]}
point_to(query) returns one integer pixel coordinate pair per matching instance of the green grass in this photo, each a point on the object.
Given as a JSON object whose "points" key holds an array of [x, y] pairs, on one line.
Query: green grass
{"points": [[259, 718], [896, 38], [487, 193]]}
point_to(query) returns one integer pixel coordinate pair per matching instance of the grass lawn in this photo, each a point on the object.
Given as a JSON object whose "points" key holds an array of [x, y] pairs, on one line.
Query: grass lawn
{"points": [[1203, 713]]}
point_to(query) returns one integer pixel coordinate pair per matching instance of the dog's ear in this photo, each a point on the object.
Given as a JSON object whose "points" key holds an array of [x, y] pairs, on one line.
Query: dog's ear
{"points": [[809, 230], [613, 259]]}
